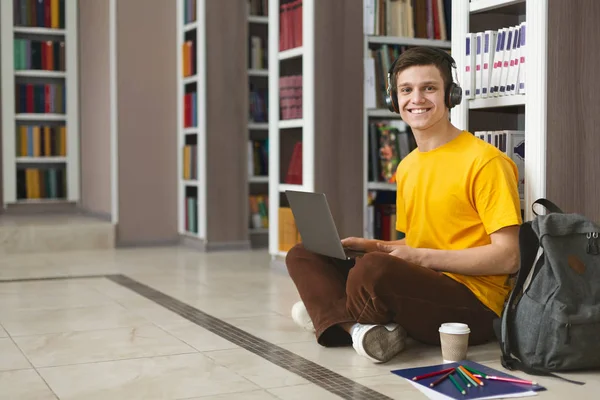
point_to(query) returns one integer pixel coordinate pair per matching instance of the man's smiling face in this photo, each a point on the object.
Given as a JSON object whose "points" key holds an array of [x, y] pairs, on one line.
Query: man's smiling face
{"points": [[421, 96]]}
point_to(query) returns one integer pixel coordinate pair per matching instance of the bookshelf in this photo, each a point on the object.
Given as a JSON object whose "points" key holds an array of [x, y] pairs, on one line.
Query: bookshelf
{"points": [[385, 37], [40, 131], [315, 118], [258, 126], [213, 124], [521, 111]]}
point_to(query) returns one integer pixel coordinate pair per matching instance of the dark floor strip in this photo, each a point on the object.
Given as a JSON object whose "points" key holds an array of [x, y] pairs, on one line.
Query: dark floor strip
{"points": [[315, 373], [52, 278]]}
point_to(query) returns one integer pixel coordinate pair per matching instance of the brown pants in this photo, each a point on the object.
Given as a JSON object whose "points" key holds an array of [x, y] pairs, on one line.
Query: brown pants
{"points": [[379, 289]]}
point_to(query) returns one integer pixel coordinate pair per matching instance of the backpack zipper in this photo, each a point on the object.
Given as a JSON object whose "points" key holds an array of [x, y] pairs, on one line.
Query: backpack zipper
{"points": [[592, 244]]}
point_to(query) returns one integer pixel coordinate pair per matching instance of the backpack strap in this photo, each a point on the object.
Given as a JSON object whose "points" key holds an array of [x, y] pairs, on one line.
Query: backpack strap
{"points": [[529, 245], [550, 206]]}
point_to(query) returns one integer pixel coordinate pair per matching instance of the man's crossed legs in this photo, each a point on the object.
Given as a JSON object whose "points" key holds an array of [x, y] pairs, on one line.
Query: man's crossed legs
{"points": [[377, 302]]}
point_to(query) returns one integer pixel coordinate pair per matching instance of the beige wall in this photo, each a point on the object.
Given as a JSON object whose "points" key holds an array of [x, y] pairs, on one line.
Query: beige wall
{"points": [[147, 110], [94, 95]]}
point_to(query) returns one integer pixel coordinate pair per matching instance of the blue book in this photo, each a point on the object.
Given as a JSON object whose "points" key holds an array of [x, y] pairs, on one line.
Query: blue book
{"points": [[492, 389]]}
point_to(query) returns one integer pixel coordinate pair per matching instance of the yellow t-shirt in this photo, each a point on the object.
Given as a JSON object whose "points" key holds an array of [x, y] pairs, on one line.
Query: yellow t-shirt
{"points": [[454, 197]]}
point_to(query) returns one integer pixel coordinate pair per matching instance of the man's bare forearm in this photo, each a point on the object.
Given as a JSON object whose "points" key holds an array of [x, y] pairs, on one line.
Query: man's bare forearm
{"points": [[484, 260]]}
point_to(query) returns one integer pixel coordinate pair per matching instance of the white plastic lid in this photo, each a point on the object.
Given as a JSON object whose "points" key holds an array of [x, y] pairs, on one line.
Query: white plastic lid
{"points": [[455, 328]]}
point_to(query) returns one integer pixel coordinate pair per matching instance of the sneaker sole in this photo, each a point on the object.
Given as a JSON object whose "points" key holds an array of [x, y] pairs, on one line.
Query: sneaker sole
{"points": [[382, 344]]}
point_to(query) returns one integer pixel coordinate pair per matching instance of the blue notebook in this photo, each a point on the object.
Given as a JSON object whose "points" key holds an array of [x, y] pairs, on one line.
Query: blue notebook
{"points": [[447, 390]]}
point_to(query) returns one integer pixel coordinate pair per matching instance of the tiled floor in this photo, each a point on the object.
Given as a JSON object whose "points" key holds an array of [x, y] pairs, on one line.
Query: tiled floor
{"points": [[173, 323]]}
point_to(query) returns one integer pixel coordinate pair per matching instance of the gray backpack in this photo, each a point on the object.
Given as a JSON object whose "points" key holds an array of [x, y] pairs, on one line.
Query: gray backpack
{"points": [[551, 321]]}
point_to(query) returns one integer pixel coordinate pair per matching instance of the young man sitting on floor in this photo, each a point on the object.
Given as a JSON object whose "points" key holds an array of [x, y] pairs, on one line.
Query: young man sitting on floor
{"points": [[458, 205]]}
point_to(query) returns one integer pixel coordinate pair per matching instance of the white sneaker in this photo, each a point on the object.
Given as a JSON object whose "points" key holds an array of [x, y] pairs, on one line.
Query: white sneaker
{"points": [[379, 343], [301, 317]]}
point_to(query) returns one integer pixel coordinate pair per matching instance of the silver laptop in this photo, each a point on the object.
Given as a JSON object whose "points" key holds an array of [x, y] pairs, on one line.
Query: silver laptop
{"points": [[316, 226]]}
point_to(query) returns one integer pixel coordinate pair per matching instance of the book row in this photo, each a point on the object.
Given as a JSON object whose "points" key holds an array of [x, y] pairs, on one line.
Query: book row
{"points": [[294, 172], [426, 19], [258, 7], [389, 143], [39, 55], [381, 215], [258, 54], [495, 62], [39, 13], [290, 24], [189, 58], [190, 110], [512, 143], [287, 229], [259, 211], [189, 11], [41, 141], [290, 96], [190, 162], [191, 214], [258, 157], [40, 98], [41, 183], [377, 64], [258, 104]]}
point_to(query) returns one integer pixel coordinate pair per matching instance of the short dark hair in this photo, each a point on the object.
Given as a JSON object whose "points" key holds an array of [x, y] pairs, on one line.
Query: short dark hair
{"points": [[423, 56]]}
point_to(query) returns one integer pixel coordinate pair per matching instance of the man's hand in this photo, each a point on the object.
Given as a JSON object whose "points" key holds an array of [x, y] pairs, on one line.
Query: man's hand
{"points": [[361, 244], [402, 251]]}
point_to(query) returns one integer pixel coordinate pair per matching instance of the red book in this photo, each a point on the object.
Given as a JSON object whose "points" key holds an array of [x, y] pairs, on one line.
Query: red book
{"points": [[47, 14], [187, 110], [47, 98], [29, 97]]}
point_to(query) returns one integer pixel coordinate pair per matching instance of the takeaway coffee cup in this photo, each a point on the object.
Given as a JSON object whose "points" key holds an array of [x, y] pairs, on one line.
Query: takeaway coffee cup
{"points": [[454, 337]]}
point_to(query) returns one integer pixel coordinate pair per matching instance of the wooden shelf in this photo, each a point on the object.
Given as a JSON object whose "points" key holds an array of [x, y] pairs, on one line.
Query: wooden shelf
{"points": [[41, 160], [495, 102], [258, 72], [39, 31], [291, 53], [488, 5], [258, 179], [258, 125], [290, 123], [381, 113], [374, 39], [41, 73], [258, 19], [190, 26], [381, 186], [40, 117], [190, 79], [286, 186]]}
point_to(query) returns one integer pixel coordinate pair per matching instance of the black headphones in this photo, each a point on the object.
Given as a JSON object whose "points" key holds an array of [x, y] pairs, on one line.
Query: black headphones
{"points": [[452, 94]]}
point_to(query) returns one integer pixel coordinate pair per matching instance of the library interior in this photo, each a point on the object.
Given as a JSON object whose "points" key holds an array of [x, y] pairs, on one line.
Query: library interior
{"points": [[239, 145]]}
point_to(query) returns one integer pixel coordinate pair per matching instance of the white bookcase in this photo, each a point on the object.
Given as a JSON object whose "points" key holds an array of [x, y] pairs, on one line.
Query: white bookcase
{"points": [[192, 187], [521, 111], [258, 127], [300, 60], [382, 114], [59, 26]]}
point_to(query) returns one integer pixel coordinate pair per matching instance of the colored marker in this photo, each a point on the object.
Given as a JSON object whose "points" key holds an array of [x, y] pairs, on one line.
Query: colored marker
{"points": [[477, 381], [465, 378], [460, 389], [443, 371], [441, 379], [503, 379], [474, 371]]}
